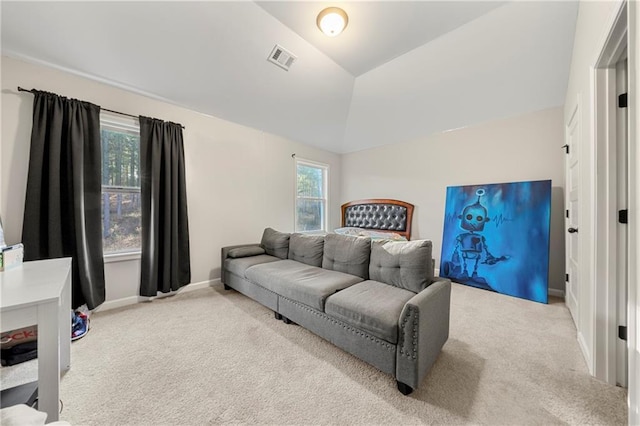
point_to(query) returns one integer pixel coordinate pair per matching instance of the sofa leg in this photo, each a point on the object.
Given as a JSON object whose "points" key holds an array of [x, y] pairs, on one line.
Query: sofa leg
{"points": [[277, 315], [403, 388], [286, 320], [226, 287]]}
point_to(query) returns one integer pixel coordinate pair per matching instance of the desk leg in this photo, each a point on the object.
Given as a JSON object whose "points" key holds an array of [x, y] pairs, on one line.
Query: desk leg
{"points": [[65, 327], [49, 359]]}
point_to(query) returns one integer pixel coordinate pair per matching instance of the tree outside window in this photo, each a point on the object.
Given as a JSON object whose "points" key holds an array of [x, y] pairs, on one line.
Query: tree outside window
{"points": [[121, 214], [311, 196]]}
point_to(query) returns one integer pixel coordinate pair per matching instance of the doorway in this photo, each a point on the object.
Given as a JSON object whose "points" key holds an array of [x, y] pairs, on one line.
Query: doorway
{"points": [[572, 213], [611, 194], [622, 163]]}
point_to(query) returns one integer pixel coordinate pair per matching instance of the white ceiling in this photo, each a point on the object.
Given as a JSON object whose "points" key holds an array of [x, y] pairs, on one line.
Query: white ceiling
{"points": [[400, 70], [377, 31]]}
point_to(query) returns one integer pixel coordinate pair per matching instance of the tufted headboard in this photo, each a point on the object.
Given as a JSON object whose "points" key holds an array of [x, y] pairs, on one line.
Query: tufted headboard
{"points": [[380, 214]]}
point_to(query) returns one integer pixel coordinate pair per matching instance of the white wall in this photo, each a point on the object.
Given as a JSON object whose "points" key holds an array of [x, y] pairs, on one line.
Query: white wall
{"points": [[594, 21], [521, 148], [239, 180]]}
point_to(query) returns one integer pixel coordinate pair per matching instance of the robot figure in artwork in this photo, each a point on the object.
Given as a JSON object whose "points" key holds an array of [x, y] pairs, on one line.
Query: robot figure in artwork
{"points": [[471, 246]]}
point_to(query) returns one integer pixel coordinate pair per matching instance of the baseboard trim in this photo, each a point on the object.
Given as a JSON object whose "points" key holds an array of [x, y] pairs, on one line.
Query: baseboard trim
{"points": [[585, 352], [132, 300], [117, 303], [556, 293]]}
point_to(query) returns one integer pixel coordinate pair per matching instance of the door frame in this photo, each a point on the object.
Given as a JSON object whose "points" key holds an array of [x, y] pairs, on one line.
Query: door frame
{"points": [[624, 24], [604, 106], [633, 311]]}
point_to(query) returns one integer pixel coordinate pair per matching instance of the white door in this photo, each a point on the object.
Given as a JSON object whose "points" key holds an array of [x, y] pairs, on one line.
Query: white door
{"points": [[572, 216], [622, 158]]}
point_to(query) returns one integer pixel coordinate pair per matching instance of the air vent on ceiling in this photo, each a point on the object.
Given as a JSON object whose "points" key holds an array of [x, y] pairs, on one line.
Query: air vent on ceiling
{"points": [[281, 57]]}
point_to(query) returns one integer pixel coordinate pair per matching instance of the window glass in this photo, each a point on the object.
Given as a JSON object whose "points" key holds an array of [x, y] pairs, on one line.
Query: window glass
{"points": [[310, 215], [311, 196], [121, 214], [310, 181]]}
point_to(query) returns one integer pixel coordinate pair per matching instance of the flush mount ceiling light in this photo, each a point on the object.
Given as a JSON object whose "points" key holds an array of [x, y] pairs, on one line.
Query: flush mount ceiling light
{"points": [[332, 21]]}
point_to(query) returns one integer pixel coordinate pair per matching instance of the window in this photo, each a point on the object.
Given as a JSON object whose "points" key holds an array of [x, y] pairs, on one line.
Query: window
{"points": [[121, 213], [311, 196]]}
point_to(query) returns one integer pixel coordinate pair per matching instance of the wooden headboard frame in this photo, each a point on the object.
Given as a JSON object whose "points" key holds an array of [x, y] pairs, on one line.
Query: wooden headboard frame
{"points": [[377, 201]]}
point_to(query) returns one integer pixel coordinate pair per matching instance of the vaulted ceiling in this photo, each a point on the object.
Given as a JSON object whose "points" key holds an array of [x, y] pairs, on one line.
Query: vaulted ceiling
{"points": [[399, 71]]}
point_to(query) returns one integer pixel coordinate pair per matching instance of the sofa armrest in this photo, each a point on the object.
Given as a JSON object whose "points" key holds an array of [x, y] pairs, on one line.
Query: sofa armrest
{"points": [[424, 329], [225, 255]]}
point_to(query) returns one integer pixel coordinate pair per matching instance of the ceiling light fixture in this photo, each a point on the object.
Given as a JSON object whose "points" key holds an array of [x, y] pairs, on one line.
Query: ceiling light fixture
{"points": [[332, 21]]}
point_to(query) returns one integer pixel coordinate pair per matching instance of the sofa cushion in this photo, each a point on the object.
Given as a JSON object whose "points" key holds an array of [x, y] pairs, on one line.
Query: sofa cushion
{"points": [[349, 254], [239, 265], [371, 306], [245, 251], [300, 282], [306, 249], [404, 264], [275, 243]]}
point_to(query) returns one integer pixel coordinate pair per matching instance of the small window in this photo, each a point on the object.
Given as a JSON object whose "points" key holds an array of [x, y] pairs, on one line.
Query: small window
{"points": [[311, 196], [121, 221]]}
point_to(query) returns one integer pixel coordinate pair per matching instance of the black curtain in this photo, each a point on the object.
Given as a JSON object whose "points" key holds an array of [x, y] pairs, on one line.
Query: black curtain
{"points": [[62, 215], [165, 264]]}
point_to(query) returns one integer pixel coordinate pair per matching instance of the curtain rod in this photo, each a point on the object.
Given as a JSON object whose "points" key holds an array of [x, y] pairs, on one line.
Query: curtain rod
{"points": [[20, 89]]}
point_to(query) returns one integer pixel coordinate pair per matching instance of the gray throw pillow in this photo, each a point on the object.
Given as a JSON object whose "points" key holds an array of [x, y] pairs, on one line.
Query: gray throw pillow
{"points": [[245, 252], [345, 253], [404, 264], [306, 248], [275, 243]]}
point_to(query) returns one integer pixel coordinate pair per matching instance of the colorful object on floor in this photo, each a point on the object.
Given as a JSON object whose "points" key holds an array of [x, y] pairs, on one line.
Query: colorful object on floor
{"points": [[496, 237], [79, 325]]}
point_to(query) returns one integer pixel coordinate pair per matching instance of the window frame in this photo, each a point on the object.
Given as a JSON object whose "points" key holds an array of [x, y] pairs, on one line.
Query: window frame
{"points": [[325, 192], [122, 124]]}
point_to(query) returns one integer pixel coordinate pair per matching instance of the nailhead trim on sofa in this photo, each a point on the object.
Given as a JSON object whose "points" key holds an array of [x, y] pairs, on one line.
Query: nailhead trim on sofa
{"points": [[353, 330], [401, 340]]}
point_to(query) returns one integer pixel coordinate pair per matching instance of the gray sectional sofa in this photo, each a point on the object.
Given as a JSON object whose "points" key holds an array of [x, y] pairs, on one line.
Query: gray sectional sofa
{"points": [[377, 300]]}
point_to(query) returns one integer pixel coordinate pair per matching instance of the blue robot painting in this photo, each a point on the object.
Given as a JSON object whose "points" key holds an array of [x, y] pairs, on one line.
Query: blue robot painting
{"points": [[471, 247]]}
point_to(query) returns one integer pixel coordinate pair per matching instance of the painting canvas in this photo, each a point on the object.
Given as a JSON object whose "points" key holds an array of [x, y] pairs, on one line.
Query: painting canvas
{"points": [[496, 237]]}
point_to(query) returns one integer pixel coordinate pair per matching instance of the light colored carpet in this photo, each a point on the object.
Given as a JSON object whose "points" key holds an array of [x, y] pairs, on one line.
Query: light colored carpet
{"points": [[212, 356]]}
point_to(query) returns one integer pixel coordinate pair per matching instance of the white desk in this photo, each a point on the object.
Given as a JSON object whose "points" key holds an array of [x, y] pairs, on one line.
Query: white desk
{"points": [[40, 293]]}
